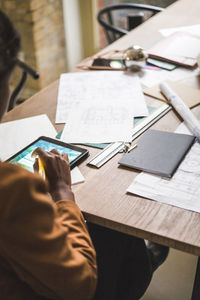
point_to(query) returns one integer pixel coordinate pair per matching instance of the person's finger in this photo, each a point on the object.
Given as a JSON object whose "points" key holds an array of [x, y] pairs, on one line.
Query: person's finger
{"points": [[36, 165], [66, 157], [54, 151], [40, 152]]}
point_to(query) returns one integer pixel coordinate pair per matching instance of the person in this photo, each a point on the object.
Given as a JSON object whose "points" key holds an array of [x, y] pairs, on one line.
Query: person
{"points": [[48, 250]]}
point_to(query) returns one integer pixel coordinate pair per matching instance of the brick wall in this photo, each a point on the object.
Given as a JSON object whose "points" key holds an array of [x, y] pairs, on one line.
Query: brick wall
{"points": [[40, 23]]}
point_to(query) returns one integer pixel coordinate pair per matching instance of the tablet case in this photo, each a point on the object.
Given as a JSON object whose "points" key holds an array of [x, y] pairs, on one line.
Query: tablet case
{"points": [[158, 152]]}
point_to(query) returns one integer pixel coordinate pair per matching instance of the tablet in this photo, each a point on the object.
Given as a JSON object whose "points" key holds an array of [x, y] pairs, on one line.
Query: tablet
{"points": [[23, 158]]}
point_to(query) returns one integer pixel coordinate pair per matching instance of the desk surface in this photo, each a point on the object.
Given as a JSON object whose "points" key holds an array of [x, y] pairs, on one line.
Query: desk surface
{"points": [[103, 196]]}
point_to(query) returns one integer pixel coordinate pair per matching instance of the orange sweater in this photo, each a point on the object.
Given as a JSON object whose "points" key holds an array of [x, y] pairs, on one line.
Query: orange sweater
{"points": [[44, 246]]}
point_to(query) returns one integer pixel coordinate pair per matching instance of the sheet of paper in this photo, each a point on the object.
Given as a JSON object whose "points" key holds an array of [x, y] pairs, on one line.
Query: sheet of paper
{"points": [[80, 88], [152, 77], [187, 46], [193, 29], [76, 176], [100, 122], [15, 135], [182, 190]]}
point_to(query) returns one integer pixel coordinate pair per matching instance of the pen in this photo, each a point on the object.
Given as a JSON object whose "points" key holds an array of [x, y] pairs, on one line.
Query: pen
{"points": [[190, 120], [41, 167]]}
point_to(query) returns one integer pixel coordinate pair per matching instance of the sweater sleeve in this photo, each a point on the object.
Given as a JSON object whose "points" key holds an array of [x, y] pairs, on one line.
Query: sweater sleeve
{"points": [[46, 243]]}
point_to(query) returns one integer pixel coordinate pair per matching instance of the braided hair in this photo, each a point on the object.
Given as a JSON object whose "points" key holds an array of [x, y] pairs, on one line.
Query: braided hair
{"points": [[9, 46]]}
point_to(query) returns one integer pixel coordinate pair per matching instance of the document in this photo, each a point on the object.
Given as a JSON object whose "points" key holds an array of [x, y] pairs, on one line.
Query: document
{"points": [[186, 45], [100, 122], [15, 135], [150, 78], [83, 88], [182, 190]]}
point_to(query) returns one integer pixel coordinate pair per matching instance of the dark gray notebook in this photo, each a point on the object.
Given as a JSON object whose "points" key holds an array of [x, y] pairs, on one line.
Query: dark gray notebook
{"points": [[158, 152]]}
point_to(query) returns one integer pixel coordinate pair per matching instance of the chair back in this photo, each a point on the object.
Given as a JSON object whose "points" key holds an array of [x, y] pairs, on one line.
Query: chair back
{"points": [[26, 70], [134, 14]]}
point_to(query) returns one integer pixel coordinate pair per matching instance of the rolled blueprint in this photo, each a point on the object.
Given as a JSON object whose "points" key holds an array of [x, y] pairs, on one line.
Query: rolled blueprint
{"points": [[182, 109]]}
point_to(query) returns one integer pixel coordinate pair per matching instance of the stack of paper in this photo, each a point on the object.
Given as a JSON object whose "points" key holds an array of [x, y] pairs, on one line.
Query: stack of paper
{"points": [[99, 106], [186, 44], [179, 48]]}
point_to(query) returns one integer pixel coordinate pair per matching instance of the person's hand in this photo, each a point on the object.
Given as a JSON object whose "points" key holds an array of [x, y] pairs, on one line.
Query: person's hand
{"points": [[57, 172]]}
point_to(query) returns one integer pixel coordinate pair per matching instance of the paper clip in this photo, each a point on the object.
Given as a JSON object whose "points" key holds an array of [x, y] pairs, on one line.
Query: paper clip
{"points": [[132, 147]]}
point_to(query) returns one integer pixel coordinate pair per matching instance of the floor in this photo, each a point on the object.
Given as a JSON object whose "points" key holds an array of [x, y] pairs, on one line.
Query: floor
{"points": [[174, 279]]}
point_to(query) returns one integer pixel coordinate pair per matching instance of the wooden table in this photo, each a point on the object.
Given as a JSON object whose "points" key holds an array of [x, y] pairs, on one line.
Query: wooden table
{"points": [[103, 197]]}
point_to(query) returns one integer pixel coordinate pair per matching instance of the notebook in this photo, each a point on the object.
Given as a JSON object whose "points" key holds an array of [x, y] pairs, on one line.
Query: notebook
{"points": [[158, 152], [179, 48]]}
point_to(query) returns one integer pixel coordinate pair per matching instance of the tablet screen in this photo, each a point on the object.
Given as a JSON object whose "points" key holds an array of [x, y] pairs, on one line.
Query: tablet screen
{"points": [[25, 160]]}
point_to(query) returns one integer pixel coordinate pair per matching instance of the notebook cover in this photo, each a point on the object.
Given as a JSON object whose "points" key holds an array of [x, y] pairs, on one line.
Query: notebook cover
{"points": [[158, 152]]}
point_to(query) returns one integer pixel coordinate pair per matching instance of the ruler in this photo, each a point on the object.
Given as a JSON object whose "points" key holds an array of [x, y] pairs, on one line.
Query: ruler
{"points": [[113, 148], [150, 120], [106, 154]]}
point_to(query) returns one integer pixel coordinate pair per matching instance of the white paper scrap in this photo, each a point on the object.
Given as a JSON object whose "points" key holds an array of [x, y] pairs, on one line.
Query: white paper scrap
{"points": [[15, 135], [186, 46], [153, 77], [193, 29], [115, 87], [77, 176]]}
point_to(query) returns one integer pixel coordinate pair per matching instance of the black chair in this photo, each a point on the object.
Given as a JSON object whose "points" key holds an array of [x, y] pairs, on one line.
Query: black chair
{"points": [[26, 70], [134, 15]]}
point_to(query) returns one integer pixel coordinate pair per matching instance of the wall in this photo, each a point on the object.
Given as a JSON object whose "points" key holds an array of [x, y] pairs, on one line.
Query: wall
{"points": [[81, 30], [40, 23], [73, 35], [89, 26]]}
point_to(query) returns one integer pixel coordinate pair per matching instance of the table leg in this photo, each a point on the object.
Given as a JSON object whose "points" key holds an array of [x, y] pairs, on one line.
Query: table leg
{"points": [[196, 287]]}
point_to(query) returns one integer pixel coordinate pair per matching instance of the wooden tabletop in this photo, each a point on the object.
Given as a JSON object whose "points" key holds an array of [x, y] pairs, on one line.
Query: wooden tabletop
{"points": [[102, 197]]}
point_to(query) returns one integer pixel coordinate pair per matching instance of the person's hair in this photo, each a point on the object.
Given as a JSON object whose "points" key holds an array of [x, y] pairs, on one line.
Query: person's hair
{"points": [[9, 45]]}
